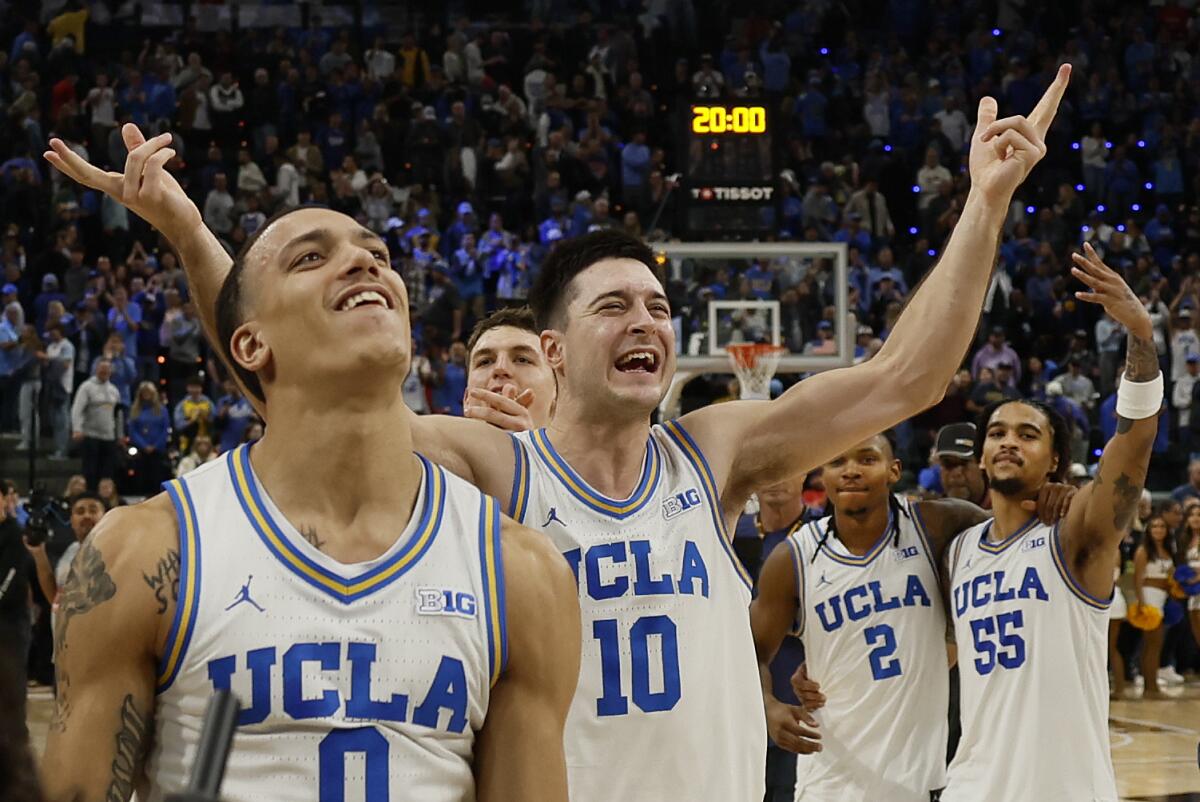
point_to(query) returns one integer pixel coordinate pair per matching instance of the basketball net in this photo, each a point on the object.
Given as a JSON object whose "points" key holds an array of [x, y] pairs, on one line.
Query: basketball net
{"points": [[754, 364]]}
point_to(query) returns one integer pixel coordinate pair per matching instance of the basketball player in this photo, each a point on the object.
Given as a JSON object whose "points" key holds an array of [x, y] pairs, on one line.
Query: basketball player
{"points": [[1030, 601], [509, 384], [389, 634], [668, 704], [860, 589]]}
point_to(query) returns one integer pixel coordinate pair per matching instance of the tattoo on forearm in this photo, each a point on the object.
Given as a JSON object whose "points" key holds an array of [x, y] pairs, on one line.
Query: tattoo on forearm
{"points": [[309, 533], [1141, 365], [1141, 360], [1126, 494], [88, 586], [165, 581], [130, 748]]}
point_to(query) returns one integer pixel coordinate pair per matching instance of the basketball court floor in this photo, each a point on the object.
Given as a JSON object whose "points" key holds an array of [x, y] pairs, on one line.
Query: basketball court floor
{"points": [[1154, 744]]}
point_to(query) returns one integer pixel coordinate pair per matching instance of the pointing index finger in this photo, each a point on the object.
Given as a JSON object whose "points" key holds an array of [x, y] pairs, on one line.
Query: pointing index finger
{"points": [[1043, 114]]}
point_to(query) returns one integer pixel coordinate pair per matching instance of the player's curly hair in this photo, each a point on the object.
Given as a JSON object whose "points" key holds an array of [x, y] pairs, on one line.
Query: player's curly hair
{"points": [[1060, 432]]}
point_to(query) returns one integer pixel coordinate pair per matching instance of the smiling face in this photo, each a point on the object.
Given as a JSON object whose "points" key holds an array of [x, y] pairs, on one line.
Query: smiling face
{"points": [[507, 355], [1018, 450], [861, 478], [320, 303], [613, 343]]}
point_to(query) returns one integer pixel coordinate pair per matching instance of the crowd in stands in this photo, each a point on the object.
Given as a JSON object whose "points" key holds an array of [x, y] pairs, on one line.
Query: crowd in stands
{"points": [[474, 146]]}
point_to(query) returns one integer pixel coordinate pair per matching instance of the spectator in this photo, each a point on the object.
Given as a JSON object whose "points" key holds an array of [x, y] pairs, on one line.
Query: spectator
{"points": [[60, 381], [180, 334], [193, 414], [995, 351], [202, 452], [94, 424], [149, 432], [28, 358], [992, 386], [109, 497], [218, 207], [1190, 488], [234, 415], [86, 511], [10, 337], [124, 371], [379, 63], [872, 208], [250, 176], [1076, 385], [930, 177]]}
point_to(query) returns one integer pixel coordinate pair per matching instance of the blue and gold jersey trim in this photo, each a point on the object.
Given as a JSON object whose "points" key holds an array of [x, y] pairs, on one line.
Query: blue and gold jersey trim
{"points": [[492, 563], [1060, 562], [914, 509], [577, 487], [520, 488], [343, 589], [692, 452], [851, 559], [997, 548], [798, 566], [187, 608]]}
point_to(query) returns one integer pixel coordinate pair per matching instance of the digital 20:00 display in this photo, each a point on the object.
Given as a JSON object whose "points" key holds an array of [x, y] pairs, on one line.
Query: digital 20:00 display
{"points": [[729, 120]]}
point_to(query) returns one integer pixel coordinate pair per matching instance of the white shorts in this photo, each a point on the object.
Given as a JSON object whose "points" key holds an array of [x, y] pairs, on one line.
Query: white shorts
{"points": [[1155, 597], [1117, 610]]}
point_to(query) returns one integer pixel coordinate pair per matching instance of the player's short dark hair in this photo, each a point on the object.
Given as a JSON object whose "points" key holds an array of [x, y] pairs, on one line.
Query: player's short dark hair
{"points": [[85, 495], [517, 317], [1060, 431], [550, 291], [230, 313]]}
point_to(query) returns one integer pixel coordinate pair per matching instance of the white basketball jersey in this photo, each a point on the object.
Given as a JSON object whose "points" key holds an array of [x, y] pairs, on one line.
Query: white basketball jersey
{"points": [[874, 633], [357, 682], [668, 704], [1032, 647]]}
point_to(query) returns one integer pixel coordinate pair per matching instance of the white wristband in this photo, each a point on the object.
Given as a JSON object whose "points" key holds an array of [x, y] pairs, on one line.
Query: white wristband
{"points": [[1139, 400]]}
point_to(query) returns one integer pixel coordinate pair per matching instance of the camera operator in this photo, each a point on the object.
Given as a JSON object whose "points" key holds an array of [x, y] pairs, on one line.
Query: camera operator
{"points": [[15, 624], [87, 509]]}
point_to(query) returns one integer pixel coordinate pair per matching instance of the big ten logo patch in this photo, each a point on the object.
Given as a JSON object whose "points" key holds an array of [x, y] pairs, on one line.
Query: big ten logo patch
{"points": [[681, 503], [906, 553], [441, 601], [1033, 543]]}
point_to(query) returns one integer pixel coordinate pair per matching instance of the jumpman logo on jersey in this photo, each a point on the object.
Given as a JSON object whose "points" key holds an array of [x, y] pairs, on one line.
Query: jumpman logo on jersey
{"points": [[553, 518], [823, 580], [244, 596], [969, 561]]}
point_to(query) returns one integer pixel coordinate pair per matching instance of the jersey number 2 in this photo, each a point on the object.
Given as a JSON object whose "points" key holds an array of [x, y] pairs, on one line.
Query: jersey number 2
{"points": [[614, 701], [881, 666]]}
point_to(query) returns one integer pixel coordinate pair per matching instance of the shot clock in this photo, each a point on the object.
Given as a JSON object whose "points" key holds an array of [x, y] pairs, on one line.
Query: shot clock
{"points": [[729, 182]]}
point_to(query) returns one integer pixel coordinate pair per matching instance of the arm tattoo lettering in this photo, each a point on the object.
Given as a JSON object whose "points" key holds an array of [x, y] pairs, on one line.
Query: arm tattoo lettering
{"points": [[88, 586], [1126, 494], [165, 581], [130, 748]]}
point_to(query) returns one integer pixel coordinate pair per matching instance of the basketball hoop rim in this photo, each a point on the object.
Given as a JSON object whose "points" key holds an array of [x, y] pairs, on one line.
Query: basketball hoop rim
{"points": [[747, 355]]}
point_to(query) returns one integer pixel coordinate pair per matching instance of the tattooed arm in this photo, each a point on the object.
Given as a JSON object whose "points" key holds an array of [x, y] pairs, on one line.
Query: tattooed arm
{"points": [[121, 590], [1102, 512]]}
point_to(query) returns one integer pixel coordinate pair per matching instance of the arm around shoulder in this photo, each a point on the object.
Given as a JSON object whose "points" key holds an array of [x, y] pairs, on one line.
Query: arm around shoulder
{"points": [[104, 709], [520, 753]]}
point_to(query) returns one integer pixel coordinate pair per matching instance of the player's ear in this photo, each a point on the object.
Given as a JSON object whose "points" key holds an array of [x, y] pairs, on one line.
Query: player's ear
{"points": [[249, 348], [552, 348], [894, 472]]}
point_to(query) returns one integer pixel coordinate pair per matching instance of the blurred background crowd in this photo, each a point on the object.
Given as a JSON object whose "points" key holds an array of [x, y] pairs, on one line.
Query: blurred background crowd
{"points": [[475, 141]]}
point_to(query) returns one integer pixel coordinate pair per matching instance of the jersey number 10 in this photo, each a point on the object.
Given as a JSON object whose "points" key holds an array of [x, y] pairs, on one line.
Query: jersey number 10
{"points": [[614, 702]]}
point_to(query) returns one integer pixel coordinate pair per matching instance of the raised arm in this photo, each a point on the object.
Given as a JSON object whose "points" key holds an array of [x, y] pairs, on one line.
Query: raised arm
{"points": [[1102, 511], [149, 190], [772, 616], [104, 706], [520, 754], [752, 444]]}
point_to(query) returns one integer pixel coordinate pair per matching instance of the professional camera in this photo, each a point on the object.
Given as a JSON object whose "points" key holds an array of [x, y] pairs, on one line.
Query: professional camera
{"points": [[44, 513]]}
